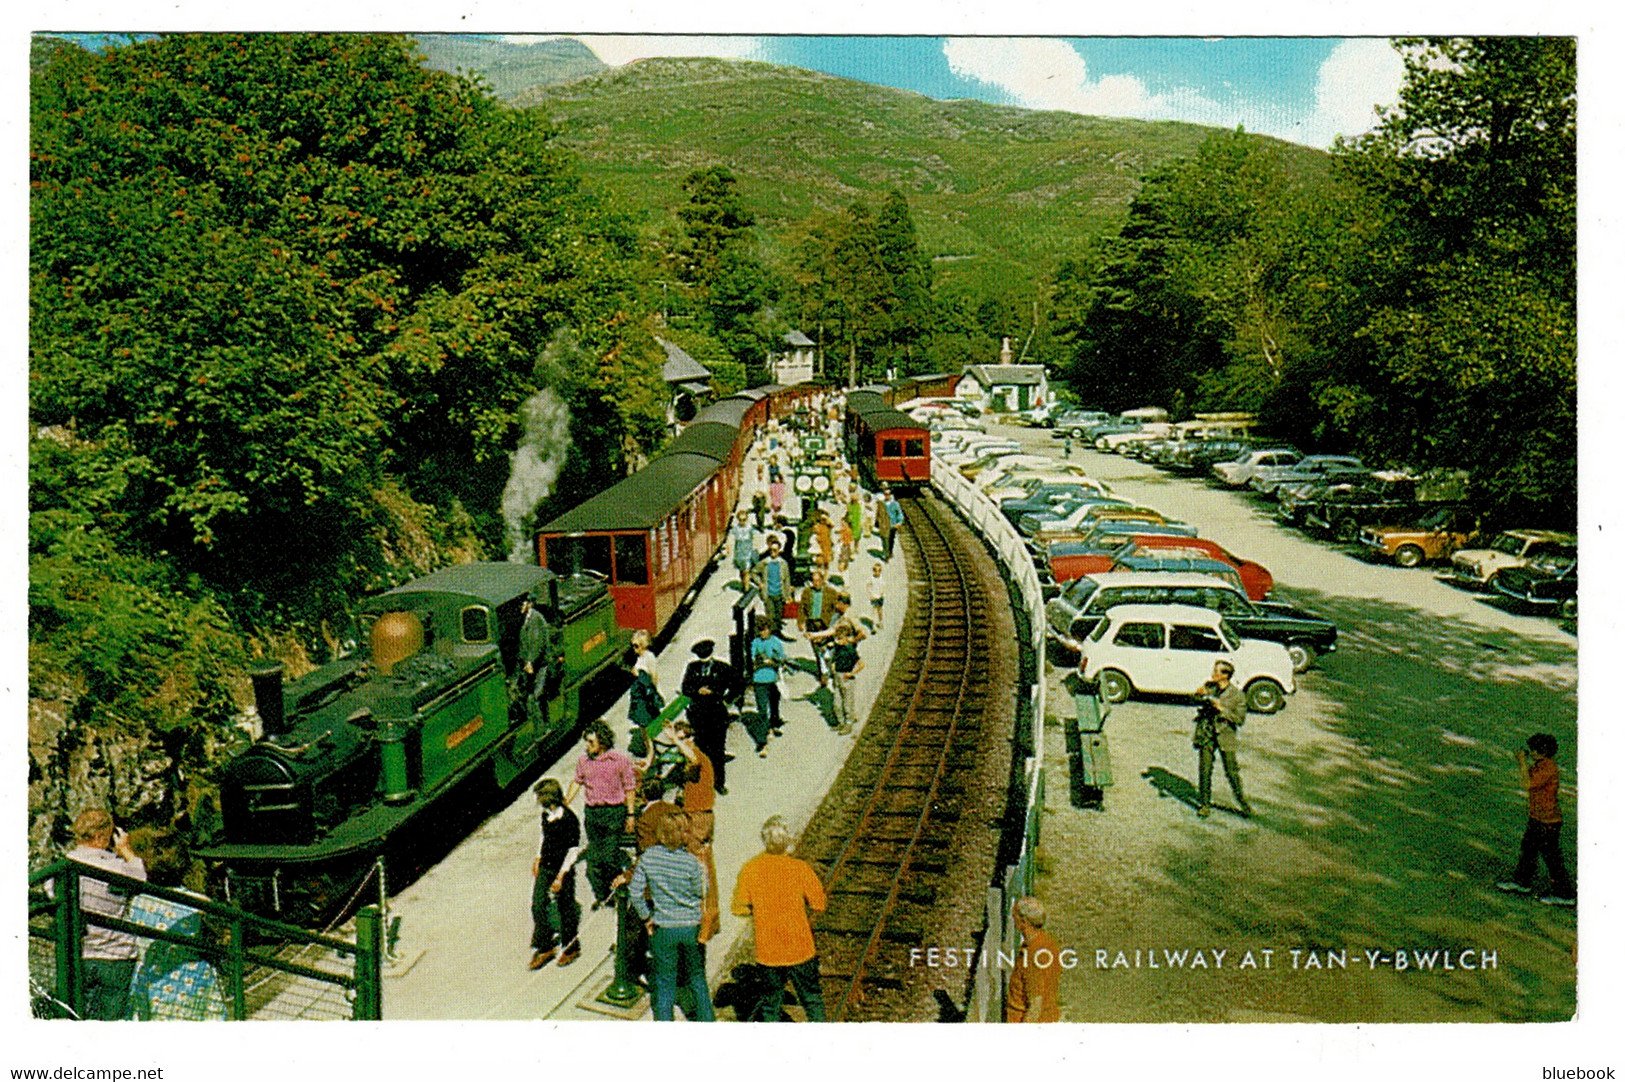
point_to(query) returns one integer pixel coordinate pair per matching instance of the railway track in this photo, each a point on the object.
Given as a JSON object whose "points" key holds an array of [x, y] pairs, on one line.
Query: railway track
{"points": [[889, 841]]}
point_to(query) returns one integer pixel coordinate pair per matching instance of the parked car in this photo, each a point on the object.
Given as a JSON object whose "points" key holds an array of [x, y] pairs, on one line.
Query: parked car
{"points": [[1046, 496], [1170, 650], [999, 484], [1117, 441], [1239, 471], [1073, 423], [1069, 512], [1176, 562], [994, 460], [1199, 456], [1435, 535], [1072, 561], [1341, 508], [1324, 469], [1476, 568], [1085, 517], [1548, 583], [1075, 613], [970, 450]]}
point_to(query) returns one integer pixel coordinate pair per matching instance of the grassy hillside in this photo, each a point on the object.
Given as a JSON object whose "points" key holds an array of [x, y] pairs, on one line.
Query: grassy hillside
{"points": [[998, 193], [509, 69]]}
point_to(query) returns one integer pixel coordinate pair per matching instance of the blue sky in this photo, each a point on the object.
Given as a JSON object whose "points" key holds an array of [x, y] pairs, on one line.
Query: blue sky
{"points": [[1305, 89]]}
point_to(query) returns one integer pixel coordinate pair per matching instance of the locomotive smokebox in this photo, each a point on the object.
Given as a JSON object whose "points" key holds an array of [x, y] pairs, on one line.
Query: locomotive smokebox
{"points": [[396, 636], [267, 680]]}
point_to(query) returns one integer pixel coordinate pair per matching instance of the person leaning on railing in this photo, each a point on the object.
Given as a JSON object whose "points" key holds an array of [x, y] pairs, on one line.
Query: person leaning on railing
{"points": [[109, 956]]}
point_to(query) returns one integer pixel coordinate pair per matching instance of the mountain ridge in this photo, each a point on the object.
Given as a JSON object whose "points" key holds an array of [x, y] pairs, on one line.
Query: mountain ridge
{"points": [[1013, 189]]}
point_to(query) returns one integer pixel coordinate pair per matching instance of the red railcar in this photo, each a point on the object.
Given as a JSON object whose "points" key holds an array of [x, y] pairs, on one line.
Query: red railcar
{"points": [[889, 447]]}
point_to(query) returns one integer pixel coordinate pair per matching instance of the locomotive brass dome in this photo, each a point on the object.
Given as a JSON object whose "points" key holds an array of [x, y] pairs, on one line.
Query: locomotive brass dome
{"points": [[396, 636]]}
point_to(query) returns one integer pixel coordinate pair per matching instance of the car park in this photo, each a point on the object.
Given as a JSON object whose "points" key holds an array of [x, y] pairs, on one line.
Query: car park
{"points": [[1476, 569], [1548, 583], [1074, 613], [1436, 534], [1239, 471], [1170, 650]]}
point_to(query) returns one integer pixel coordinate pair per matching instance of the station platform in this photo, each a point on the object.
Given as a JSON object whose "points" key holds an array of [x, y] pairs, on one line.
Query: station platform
{"points": [[466, 925]]}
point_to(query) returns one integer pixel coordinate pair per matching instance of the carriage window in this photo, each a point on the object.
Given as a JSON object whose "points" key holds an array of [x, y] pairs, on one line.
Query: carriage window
{"points": [[1194, 637], [476, 624], [914, 448], [631, 562], [1140, 636], [891, 448], [566, 555]]}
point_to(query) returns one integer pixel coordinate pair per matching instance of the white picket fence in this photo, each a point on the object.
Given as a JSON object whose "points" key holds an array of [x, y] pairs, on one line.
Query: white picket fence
{"points": [[987, 990]]}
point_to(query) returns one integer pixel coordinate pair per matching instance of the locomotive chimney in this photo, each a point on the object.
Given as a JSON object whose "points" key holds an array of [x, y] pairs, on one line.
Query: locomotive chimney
{"points": [[267, 681]]}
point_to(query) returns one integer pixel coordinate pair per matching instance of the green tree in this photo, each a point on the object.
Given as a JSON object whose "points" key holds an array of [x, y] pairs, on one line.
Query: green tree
{"points": [[716, 258], [284, 264], [1466, 304], [910, 307]]}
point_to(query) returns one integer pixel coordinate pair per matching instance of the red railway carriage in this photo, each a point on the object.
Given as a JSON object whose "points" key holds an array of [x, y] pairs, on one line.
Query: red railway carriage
{"points": [[651, 536], [888, 446], [936, 385]]}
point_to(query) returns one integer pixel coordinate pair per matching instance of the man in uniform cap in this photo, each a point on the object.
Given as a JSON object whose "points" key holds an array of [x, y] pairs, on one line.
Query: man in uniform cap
{"points": [[707, 683]]}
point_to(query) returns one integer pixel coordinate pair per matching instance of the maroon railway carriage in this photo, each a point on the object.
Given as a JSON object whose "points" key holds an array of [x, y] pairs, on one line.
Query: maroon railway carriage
{"points": [[889, 447], [935, 385], [651, 536]]}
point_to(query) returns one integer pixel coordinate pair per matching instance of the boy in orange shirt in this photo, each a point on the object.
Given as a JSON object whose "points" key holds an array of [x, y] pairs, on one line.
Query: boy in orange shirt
{"points": [[775, 890], [1539, 775]]}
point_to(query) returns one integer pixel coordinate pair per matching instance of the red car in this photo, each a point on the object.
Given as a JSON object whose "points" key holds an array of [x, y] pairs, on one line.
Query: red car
{"points": [[1065, 566]]}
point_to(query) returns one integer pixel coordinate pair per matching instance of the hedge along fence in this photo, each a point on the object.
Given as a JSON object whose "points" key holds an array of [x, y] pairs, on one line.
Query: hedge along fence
{"points": [[1017, 857]]}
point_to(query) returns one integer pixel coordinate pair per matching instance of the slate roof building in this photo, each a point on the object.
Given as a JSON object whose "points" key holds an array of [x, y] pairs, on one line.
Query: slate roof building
{"points": [[795, 363], [687, 380], [1005, 387]]}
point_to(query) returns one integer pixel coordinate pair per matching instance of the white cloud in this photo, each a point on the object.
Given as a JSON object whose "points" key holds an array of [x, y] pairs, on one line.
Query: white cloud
{"points": [[618, 49], [1046, 73], [1361, 74]]}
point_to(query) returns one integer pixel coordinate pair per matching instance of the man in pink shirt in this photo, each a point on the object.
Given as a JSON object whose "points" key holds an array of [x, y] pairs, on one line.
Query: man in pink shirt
{"points": [[611, 784]]}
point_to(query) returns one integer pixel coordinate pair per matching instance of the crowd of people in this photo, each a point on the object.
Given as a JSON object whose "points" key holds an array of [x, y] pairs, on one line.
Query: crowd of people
{"points": [[800, 556]]}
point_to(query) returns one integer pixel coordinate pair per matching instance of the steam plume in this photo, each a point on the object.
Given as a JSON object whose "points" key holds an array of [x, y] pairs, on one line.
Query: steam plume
{"points": [[533, 468]]}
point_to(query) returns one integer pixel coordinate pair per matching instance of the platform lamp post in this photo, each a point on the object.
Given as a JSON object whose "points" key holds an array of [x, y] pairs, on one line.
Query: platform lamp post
{"points": [[623, 992], [744, 633]]}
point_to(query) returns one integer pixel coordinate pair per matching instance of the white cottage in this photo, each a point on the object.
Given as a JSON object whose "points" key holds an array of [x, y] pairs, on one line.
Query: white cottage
{"points": [[795, 364], [1004, 387]]}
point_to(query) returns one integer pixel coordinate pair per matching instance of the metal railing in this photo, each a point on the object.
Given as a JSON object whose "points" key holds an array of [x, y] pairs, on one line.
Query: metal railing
{"points": [[265, 969], [1010, 550]]}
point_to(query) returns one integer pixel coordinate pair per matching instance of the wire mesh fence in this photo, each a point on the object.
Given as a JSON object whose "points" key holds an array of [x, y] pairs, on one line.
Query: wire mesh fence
{"points": [[216, 962]]}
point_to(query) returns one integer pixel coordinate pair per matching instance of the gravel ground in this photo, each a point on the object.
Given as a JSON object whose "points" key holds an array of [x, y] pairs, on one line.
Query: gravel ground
{"points": [[1388, 805]]}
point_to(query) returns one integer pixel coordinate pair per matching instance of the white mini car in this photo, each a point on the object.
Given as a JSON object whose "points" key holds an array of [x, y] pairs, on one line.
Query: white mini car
{"points": [[1170, 650]]}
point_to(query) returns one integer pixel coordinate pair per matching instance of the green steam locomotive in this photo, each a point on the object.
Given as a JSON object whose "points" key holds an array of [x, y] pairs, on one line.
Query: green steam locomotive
{"points": [[352, 755]]}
